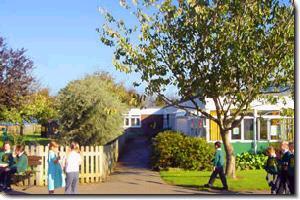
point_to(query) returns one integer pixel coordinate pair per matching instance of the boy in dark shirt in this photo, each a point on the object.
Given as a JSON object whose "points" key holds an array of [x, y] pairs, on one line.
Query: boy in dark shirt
{"points": [[291, 169], [283, 187], [218, 163]]}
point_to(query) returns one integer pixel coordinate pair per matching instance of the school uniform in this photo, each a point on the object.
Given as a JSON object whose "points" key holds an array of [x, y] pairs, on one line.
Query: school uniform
{"points": [[291, 173], [218, 163], [272, 170], [283, 187], [20, 165], [5, 158], [72, 172]]}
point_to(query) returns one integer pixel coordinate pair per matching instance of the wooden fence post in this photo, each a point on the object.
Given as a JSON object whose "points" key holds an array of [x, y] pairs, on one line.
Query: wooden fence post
{"points": [[81, 175], [40, 169], [101, 163]]}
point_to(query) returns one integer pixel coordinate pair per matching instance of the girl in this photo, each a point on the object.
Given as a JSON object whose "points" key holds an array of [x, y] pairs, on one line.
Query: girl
{"points": [[72, 169], [55, 173]]}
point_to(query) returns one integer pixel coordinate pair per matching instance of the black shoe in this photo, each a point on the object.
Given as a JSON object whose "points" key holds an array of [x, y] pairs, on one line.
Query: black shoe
{"points": [[225, 188], [207, 185], [7, 189]]}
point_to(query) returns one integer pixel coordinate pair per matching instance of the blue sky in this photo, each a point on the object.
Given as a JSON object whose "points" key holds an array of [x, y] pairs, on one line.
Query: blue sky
{"points": [[60, 37]]}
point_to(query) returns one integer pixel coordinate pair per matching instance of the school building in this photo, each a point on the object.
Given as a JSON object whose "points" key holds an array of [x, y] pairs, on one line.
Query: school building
{"points": [[263, 124]]}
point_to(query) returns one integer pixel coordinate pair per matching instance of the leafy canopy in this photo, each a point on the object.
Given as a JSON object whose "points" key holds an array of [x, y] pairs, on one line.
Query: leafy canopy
{"points": [[15, 76], [91, 110], [231, 51]]}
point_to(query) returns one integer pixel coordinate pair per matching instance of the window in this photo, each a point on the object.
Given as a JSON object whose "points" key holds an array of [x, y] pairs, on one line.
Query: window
{"points": [[127, 121], [135, 120], [275, 129], [132, 121], [263, 129], [236, 133], [248, 129]]}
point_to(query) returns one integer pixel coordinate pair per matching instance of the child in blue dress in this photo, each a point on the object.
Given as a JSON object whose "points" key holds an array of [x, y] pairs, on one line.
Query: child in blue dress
{"points": [[55, 173]]}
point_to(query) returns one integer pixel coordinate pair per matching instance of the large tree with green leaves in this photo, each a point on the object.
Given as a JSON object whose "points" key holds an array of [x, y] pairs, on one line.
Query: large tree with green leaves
{"points": [[230, 51], [91, 110], [38, 106]]}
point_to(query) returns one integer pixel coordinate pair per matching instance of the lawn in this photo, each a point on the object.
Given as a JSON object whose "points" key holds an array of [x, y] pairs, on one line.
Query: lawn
{"points": [[246, 179], [32, 139]]}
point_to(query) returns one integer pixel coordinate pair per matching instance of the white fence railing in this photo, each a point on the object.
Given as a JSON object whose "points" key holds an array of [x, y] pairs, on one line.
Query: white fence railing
{"points": [[98, 161]]}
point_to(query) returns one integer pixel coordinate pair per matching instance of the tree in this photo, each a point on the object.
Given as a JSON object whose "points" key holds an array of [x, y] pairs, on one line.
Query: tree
{"points": [[15, 76], [230, 51], [91, 113], [38, 106]]}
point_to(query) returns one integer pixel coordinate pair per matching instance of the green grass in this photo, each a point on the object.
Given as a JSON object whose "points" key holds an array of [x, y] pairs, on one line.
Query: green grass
{"points": [[246, 180], [32, 139]]}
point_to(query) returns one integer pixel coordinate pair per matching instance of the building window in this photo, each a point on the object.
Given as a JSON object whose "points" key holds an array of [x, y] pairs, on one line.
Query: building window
{"points": [[236, 133], [263, 129], [275, 129], [135, 121], [127, 121], [132, 121], [248, 129]]}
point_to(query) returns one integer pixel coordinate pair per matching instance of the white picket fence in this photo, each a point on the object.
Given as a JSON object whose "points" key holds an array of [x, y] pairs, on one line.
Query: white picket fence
{"points": [[98, 161]]}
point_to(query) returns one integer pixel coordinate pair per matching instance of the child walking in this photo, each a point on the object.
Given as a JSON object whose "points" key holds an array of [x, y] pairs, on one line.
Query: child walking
{"points": [[218, 162], [72, 169], [272, 169], [55, 173]]}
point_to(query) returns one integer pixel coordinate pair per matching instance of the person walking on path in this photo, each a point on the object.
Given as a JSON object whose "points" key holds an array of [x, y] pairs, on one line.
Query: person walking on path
{"points": [[72, 169], [283, 174], [218, 163], [291, 169], [272, 169], [55, 173]]}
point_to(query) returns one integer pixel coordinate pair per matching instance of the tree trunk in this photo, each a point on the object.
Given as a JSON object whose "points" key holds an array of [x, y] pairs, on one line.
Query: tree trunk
{"points": [[22, 129], [230, 158]]}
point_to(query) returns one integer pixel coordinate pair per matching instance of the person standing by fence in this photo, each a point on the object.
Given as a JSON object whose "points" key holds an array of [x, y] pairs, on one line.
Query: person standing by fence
{"points": [[55, 173], [72, 169]]}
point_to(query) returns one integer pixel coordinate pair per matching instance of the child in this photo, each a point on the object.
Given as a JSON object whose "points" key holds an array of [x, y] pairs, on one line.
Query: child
{"points": [[6, 160], [218, 162], [283, 187], [55, 173], [19, 166], [291, 169], [272, 169], [72, 169]]}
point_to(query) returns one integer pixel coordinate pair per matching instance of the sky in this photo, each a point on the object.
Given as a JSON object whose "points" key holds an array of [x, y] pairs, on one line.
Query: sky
{"points": [[60, 37]]}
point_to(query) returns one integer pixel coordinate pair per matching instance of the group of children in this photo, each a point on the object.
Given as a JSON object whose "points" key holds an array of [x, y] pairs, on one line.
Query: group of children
{"points": [[58, 165], [11, 163], [62, 171], [280, 168]]}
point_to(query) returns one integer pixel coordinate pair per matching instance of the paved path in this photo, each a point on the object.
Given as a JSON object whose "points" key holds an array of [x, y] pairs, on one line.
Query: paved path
{"points": [[132, 176]]}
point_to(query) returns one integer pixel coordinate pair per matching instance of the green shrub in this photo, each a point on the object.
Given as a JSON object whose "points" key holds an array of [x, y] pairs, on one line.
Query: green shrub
{"points": [[90, 112], [173, 149], [248, 160]]}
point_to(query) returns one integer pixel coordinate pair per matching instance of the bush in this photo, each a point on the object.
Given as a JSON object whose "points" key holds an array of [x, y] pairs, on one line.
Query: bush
{"points": [[245, 161], [174, 150], [90, 112]]}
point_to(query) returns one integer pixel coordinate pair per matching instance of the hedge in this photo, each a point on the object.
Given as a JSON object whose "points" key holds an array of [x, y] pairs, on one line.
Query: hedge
{"points": [[175, 150]]}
